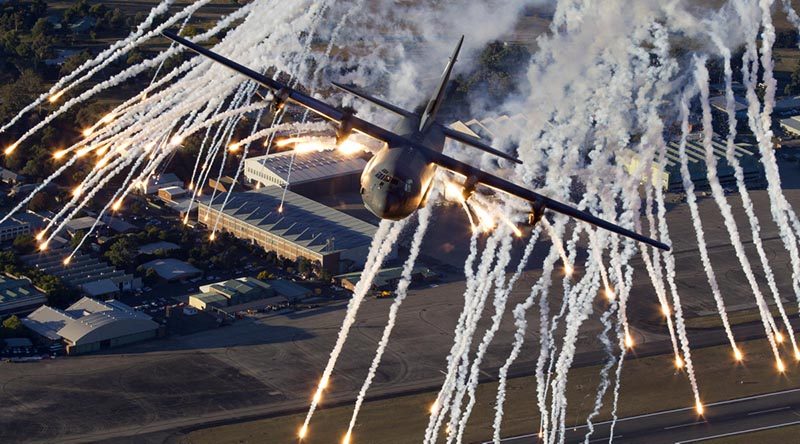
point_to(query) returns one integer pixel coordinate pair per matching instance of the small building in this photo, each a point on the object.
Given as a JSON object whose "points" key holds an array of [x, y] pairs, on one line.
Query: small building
{"points": [[224, 184], [19, 296], [240, 290], [13, 227], [791, 125], [85, 272], [171, 194], [119, 225], [90, 325], [387, 278], [205, 301], [173, 269], [155, 183], [83, 224], [289, 290], [10, 177], [154, 247]]}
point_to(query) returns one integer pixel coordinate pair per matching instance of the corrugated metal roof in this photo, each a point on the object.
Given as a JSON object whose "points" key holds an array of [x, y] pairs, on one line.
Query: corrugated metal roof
{"points": [[306, 167], [304, 222]]}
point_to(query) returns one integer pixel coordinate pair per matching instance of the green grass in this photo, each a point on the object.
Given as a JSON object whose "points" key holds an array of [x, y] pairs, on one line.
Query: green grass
{"points": [[649, 385]]}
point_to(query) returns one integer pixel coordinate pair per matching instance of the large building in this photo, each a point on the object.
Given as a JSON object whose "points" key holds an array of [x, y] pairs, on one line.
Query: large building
{"points": [[89, 325], [294, 227], [19, 296], [326, 172]]}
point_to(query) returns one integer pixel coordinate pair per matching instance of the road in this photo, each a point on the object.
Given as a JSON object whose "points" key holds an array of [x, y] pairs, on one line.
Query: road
{"points": [[720, 419]]}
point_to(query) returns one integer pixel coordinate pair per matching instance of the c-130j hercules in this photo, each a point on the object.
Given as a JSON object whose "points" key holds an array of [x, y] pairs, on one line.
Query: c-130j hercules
{"points": [[399, 177]]}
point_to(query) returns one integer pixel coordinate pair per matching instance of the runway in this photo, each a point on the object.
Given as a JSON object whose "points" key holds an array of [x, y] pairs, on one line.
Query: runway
{"points": [[721, 419]]}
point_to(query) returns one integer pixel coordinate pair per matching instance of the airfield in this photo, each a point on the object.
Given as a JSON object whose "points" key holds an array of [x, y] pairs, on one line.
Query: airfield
{"points": [[176, 388]]}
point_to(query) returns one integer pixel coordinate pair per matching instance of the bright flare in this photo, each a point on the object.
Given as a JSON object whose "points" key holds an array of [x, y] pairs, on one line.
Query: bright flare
{"points": [[780, 365], [54, 98], [87, 132], [10, 149], [665, 310], [77, 191], [678, 362], [350, 146], [176, 140], [434, 407], [303, 432], [779, 337], [59, 154], [610, 294], [323, 383], [213, 236], [117, 205], [346, 439], [67, 260], [568, 270], [486, 220], [628, 341], [737, 354], [43, 246], [699, 407], [453, 192], [234, 147]]}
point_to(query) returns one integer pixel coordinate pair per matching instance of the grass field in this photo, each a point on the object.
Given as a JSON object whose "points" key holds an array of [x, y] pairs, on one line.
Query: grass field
{"points": [[649, 385]]}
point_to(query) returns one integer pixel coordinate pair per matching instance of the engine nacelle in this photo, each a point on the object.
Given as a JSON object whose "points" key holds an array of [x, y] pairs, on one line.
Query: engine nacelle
{"points": [[536, 213], [279, 99], [345, 129], [469, 187]]}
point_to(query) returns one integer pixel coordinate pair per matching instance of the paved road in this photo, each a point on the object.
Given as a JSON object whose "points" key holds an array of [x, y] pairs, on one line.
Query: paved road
{"points": [[720, 419]]}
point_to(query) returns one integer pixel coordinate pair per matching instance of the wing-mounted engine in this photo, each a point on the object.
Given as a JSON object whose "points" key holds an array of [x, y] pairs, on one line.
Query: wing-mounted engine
{"points": [[345, 127], [536, 213]]}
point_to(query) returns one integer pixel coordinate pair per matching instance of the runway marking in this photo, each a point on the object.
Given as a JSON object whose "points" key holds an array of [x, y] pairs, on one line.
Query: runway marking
{"points": [[665, 412], [605, 439], [768, 411], [685, 425], [724, 435]]}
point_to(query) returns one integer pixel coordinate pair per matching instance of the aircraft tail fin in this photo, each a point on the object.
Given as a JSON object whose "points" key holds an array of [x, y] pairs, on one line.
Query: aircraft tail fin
{"points": [[438, 97], [370, 98]]}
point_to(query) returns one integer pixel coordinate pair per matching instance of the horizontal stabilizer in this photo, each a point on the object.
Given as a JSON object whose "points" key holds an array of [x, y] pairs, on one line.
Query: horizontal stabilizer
{"points": [[466, 139], [368, 97]]}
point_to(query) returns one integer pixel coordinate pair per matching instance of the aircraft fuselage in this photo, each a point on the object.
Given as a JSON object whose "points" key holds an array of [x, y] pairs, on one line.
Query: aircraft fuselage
{"points": [[397, 179]]}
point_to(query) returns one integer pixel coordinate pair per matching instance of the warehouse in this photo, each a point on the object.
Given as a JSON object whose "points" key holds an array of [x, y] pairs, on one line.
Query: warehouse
{"points": [[309, 173], [297, 228], [89, 325]]}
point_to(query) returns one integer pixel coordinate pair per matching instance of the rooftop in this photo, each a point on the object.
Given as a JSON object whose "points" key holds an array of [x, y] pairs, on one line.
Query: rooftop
{"points": [[302, 221], [171, 269], [311, 165], [89, 320], [17, 289]]}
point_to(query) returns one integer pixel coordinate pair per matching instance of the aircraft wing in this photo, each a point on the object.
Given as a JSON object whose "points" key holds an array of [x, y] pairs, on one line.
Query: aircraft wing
{"points": [[285, 93], [516, 190]]}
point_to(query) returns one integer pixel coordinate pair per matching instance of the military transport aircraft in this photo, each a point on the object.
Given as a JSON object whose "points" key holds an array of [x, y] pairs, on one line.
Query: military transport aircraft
{"points": [[398, 178]]}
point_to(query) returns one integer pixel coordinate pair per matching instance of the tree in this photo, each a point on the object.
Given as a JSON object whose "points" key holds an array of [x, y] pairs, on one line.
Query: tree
{"points": [[264, 275], [77, 239], [12, 323], [24, 244], [39, 202], [121, 254], [793, 87], [150, 276]]}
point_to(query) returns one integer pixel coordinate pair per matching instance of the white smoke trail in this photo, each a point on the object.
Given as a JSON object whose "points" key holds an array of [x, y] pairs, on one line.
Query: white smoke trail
{"points": [[701, 78], [605, 382], [502, 294], [382, 245], [423, 216]]}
